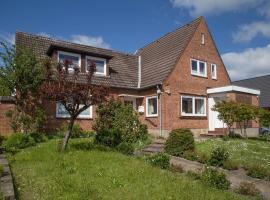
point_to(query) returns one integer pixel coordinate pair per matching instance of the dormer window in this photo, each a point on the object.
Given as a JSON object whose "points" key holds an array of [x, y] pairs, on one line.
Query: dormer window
{"points": [[202, 38], [100, 65], [72, 58]]}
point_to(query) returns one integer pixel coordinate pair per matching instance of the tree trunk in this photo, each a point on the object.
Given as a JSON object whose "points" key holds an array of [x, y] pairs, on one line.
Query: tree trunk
{"points": [[68, 134]]}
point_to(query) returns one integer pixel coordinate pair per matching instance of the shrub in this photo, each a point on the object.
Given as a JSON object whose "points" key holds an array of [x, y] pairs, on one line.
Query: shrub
{"points": [[214, 178], [218, 156], [2, 139], [247, 188], [179, 141], [38, 137], [230, 165], [203, 157], [77, 131], [160, 160], [125, 148], [117, 117], [258, 171], [190, 155], [111, 138], [1, 170], [18, 141]]}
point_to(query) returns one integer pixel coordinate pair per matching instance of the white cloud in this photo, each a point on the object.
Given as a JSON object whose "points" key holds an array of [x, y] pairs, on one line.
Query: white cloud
{"points": [[8, 37], [90, 40], [247, 32], [249, 63], [208, 7]]}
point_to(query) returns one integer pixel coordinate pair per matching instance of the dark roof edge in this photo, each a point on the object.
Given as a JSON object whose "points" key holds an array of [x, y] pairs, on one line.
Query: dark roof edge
{"points": [[72, 43], [7, 99], [187, 24], [251, 78]]}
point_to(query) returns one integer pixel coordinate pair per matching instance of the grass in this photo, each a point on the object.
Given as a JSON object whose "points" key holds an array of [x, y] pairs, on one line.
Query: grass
{"points": [[245, 152], [41, 172]]}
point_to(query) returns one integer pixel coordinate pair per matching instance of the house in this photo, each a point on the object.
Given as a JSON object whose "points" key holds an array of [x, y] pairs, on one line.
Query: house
{"points": [[261, 83], [172, 82]]}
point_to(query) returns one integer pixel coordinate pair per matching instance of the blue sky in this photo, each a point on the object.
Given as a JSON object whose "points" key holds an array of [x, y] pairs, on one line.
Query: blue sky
{"points": [[241, 28]]}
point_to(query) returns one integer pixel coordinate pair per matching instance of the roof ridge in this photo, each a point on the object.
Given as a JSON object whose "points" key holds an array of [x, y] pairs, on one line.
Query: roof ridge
{"points": [[187, 24], [251, 78], [61, 40]]}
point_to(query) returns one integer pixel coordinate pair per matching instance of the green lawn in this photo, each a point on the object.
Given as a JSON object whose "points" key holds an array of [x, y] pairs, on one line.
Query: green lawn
{"points": [[246, 152], [42, 173]]}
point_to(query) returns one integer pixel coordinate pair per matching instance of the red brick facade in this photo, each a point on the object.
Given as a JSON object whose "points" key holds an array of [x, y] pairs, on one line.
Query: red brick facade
{"points": [[5, 128]]}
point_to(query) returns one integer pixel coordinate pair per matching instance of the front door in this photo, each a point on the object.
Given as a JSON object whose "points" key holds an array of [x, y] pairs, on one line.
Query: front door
{"points": [[213, 120]]}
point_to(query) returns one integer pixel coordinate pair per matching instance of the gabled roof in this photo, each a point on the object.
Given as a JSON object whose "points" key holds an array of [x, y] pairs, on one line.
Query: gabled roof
{"points": [[261, 83], [123, 67], [158, 58], [161, 56]]}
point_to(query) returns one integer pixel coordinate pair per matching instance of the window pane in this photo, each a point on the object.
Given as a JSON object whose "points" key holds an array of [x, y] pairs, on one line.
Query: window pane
{"points": [[187, 105], [85, 112], [61, 110], [74, 60], [100, 66], [194, 66], [202, 68], [199, 106], [152, 106], [214, 71]]}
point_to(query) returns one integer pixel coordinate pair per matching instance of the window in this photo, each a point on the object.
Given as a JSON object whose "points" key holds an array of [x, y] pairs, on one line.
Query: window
{"points": [[61, 112], [72, 58], [151, 106], [202, 38], [214, 71], [198, 68], [100, 65], [193, 106]]}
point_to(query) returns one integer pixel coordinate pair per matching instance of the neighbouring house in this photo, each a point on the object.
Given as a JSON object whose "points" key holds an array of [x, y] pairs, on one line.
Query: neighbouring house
{"points": [[261, 83], [173, 82]]}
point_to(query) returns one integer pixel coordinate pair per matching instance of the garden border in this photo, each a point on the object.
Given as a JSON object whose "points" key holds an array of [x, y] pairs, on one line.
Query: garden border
{"points": [[6, 180]]}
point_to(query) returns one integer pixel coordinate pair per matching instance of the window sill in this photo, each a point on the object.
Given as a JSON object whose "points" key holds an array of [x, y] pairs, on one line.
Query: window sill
{"points": [[151, 116], [196, 75], [193, 117], [80, 118]]}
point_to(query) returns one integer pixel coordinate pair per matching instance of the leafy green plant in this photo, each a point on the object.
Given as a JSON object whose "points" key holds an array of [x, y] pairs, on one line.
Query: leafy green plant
{"points": [[39, 137], [125, 148], [258, 171], [77, 131], [115, 119], [190, 155], [214, 178], [247, 188], [230, 164], [18, 141], [111, 138], [160, 160], [179, 141], [1, 170], [218, 156]]}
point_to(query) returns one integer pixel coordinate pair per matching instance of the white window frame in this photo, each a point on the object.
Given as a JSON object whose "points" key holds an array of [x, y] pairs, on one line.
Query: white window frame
{"points": [[67, 116], [100, 59], [69, 54], [193, 114], [198, 68], [147, 114], [214, 76]]}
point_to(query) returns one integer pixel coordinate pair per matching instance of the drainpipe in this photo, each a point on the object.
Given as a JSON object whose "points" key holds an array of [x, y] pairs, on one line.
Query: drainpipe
{"points": [[139, 71], [159, 93]]}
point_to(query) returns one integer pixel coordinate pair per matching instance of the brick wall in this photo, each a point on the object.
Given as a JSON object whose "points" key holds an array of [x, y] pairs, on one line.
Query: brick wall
{"points": [[5, 128], [180, 81]]}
